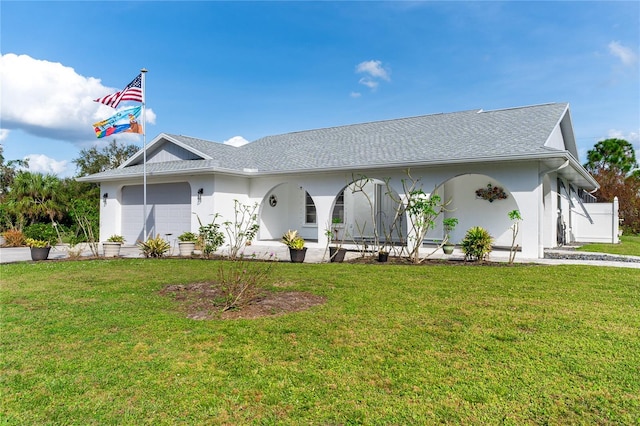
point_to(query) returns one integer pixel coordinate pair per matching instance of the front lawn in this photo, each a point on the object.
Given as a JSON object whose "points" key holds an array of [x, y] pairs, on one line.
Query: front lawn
{"points": [[96, 342]]}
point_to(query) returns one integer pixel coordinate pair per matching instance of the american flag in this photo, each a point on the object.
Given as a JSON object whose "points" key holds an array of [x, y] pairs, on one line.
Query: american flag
{"points": [[133, 92]]}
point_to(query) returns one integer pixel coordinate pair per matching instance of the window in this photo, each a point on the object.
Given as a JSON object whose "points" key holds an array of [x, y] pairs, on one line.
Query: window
{"points": [[338, 210], [309, 209]]}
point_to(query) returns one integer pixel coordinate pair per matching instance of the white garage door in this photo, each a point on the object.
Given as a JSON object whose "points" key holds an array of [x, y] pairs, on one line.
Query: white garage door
{"points": [[168, 211]]}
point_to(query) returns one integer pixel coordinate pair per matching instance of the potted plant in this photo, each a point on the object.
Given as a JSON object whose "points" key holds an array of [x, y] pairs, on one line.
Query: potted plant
{"points": [[187, 243], [112, 246], [295, 242], [383, 255], [39, 248], [449, 225], [336, 252]]}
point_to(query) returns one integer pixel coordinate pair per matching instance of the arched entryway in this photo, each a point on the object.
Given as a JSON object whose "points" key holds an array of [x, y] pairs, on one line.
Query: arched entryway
{"points": [[479, 200], [287, 206], [368, 211]]}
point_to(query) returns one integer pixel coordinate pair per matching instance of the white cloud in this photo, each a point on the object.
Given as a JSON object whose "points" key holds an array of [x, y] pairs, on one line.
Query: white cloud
{"points": [[355, 94], [40, 163], [629, 137], [236, 141], [374, 69], [371, 84], [374, 73], [4, 133], [48, 99], [625, 54]]}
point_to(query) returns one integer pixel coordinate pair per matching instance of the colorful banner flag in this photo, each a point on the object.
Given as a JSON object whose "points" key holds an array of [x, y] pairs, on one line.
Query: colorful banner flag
{"points": [[124, 121], [133, 92]]}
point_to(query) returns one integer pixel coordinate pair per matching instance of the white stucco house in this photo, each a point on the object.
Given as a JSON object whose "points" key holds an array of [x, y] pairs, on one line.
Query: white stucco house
{"points": [[305, 180]]}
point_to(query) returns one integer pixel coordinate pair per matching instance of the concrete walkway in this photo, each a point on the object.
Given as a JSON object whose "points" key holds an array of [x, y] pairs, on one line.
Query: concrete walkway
{"points": [[317, 254]]}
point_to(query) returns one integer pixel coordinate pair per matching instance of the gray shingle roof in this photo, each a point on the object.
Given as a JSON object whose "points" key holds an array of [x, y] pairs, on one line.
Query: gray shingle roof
{"points": [[432, 138], [451, 137]]}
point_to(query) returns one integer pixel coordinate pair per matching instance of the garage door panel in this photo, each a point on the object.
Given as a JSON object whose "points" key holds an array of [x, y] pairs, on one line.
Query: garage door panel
{"points": [[168, 210]]}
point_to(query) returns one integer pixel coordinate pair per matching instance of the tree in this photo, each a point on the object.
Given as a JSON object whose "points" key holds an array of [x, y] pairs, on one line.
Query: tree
{"points": [[8, 172], [612, 154], [35, 197], [111, 156], [613, 164], [627, 189]]}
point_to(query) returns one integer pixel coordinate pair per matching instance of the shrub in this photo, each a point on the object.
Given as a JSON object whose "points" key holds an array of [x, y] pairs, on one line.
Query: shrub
{"points": [[116, 239], [154, 247], [211, 237], [41, 231], [242, 281], [74, 239], [243, 229], [476, 244], [13, 238]]}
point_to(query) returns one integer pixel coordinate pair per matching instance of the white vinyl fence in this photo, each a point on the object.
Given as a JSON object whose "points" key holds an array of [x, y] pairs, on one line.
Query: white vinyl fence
{"points": [[605, 226]]}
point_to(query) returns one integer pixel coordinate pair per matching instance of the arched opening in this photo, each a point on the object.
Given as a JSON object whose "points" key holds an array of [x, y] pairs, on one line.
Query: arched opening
{"points": [[368, 211], [479, 200], [287, 206]]}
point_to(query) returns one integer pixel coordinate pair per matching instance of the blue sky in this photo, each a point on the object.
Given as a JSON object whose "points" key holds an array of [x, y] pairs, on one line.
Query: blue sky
{"points": [[222, 70]]}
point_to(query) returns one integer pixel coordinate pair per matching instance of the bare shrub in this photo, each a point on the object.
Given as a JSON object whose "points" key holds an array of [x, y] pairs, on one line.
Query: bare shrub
{"points": [[241, 281]]}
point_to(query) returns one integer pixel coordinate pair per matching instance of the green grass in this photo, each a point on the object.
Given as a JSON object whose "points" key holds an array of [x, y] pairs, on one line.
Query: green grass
{"points": [[629, 245], [93, 343]]}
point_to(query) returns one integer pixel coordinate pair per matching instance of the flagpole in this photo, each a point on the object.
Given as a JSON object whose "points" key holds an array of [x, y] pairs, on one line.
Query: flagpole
{"points": [[143, 72]]}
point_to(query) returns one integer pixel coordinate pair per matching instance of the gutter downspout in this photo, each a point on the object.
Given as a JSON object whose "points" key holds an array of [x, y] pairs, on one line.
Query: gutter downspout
{"points": [[541, 175]]}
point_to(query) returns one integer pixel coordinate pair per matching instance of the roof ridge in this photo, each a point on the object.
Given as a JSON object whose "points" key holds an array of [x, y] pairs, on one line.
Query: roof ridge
{"points": [[521, 107]]}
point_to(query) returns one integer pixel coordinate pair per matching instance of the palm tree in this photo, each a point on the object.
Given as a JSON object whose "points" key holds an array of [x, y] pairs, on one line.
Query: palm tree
{"points": [[35, 196]]}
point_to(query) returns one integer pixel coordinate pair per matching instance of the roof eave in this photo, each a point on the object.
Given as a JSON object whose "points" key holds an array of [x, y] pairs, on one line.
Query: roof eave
{"points": [[590, 182], [138, 174], [428, 163]]}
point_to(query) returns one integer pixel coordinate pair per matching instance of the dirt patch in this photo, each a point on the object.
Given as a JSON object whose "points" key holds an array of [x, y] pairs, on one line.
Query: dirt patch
{"points": [[202, 301]]}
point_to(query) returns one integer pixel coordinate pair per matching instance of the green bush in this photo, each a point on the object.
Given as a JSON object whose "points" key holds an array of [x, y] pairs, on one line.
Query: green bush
{"points": [[476, 244], [154, 247], [211, 236], [41, 231]]}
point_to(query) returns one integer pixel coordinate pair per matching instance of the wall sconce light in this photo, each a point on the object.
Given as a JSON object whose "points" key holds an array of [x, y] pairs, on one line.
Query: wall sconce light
{"points": [[200, 192], [104, 197]]}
